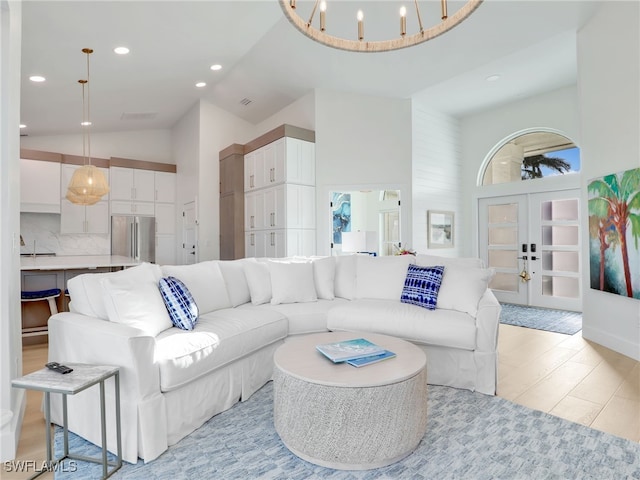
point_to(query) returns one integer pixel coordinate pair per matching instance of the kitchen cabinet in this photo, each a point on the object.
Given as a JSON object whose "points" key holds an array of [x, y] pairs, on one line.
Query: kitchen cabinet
{"points": [[40, 186], [165, 249], [232, 203], [165, 187], [119, 207], [132, 184], [165, 214], [74, 218], [280, 203]]}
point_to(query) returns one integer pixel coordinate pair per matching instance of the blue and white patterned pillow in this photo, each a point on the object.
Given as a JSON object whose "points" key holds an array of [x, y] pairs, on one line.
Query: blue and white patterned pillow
{"points": [[180, 304], [421, 286]]}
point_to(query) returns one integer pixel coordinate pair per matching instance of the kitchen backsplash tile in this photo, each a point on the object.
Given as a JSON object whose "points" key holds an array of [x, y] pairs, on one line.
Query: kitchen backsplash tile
{"points": [[44, 228]]}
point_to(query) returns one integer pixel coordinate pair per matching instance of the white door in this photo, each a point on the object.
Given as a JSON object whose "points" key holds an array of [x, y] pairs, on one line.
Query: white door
{"points": [[533, 243], [189, 234]]}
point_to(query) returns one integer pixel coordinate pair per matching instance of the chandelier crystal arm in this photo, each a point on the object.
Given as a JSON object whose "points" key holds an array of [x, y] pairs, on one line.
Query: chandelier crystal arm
{"points": [[403, 41]]}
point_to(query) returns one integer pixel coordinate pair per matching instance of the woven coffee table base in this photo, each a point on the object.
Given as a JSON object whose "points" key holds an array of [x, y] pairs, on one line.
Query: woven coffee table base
{"points": [[350, 428]]}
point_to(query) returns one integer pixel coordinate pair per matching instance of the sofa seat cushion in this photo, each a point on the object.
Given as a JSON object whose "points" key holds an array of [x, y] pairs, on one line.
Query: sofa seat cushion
{"points": [[218, 339], [308, 317], [446, 328]]}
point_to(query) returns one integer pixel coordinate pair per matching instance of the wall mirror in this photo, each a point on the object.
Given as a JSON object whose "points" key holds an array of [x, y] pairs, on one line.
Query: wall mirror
{"points": [[365, 221]]}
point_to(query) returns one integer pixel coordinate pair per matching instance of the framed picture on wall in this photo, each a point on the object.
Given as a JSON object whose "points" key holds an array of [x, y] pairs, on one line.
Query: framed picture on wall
{"points": [[439, 229]]}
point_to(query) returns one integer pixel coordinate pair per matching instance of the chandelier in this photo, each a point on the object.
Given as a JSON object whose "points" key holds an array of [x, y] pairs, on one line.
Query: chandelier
{"points": [[358, 43], [88, 184]]}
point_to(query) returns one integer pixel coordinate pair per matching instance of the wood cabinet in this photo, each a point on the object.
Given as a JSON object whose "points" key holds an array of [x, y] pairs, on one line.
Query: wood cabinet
{"points": [[232, 202], [40, 186], [74, 218]]}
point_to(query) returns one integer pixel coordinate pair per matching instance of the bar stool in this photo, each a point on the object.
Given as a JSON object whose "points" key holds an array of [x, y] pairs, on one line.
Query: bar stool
{"points": [[37, 296]]}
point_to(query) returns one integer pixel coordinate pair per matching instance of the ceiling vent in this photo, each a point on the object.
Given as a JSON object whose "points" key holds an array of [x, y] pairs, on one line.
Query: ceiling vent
{"points": [[138, 116], [245, 101]]}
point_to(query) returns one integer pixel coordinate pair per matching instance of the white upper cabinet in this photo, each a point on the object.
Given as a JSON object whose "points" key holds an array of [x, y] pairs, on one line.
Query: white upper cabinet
{"points": [[165, 185], [132, 184], [80, 218], [287, 160], [39, 186]]}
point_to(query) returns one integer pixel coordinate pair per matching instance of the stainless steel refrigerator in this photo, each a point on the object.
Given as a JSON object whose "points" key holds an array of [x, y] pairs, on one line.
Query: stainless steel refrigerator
{"points": [[134, 236]]}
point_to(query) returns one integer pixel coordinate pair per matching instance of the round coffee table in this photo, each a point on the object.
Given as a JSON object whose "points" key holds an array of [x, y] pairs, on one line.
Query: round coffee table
{"points": [[349, 418]]}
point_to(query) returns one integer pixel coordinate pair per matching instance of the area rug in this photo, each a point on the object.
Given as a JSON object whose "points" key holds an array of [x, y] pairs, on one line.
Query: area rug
{"points": [[560, 321], [469, 436]]}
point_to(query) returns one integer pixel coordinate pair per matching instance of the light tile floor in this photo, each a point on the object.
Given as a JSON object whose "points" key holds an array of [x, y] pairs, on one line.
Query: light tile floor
{"points": [[563, 375], [572, 378]]}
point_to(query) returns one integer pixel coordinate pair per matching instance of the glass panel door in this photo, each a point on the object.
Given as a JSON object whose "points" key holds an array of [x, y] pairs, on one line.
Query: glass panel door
{"points": [[555, 222], [503, 227]]}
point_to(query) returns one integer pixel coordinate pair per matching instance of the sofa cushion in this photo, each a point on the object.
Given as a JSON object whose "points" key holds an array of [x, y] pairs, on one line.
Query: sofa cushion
{"points": [[86, 290], [446, 328], [180, 304], [305, 317], [137, 304], [421, 286], [292, 282], [462, 288], [345, 276], [205, 282], [381, 277], [259, 282], [430, 260], [324, 273], [218, 339], [234, 277]]}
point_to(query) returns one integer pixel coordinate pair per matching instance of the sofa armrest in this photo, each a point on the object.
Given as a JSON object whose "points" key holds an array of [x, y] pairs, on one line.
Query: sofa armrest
{"points": [[487, 322], [74, 337]]}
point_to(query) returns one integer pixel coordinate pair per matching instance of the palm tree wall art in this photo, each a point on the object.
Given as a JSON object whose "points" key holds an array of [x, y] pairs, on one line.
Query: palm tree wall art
{"points": [[614, 231]]}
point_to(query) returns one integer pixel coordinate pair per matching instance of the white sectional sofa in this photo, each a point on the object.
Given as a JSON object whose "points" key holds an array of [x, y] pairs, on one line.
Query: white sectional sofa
{"points": [[173, 380]]}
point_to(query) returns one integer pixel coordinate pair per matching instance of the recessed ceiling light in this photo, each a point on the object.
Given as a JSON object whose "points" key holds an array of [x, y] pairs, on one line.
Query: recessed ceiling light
{"points": [[492, 78], [37, 78], [85, 124], [216, 67], [201, 84], [22, 125], [121, 50]]}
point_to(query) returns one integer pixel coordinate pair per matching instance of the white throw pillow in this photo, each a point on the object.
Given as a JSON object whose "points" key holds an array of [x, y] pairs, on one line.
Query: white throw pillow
{"points": [[137, 304], [205, 282], [259, 281], [462, 288], [382, 277], [345, 279], [292, 282], [324, 272], [236, 280], [86, 290]]}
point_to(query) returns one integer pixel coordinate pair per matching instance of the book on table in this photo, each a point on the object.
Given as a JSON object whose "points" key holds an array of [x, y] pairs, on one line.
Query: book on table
{"points": [[361, 362], [349, 349]]}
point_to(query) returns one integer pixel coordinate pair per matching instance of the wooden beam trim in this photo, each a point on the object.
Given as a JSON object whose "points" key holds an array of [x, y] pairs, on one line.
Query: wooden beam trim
{"points": [[79, 160], [234, 149], [143, 165], [40, 155], [277, 133]]}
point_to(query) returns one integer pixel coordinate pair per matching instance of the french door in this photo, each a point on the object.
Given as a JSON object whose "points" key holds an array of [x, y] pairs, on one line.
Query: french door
{"points": [[532, 241]]}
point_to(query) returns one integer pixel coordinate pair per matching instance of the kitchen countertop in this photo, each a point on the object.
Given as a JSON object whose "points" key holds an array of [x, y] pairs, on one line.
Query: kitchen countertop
{"points": [[69, 262]]}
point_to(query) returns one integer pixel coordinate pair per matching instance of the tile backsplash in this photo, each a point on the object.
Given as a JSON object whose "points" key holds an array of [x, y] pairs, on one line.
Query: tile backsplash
{"points": [[44, 228]]}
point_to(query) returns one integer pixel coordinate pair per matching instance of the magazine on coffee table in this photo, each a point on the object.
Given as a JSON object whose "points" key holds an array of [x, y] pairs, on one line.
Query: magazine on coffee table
{"points": [[361, 362], [349, 350]]}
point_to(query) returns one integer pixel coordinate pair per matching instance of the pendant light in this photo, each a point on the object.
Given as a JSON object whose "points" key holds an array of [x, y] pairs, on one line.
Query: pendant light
{"points": [[88, 184]]}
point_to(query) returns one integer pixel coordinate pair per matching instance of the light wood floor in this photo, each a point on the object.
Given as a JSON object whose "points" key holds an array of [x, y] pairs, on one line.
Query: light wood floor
{"points": [[563, 375]]}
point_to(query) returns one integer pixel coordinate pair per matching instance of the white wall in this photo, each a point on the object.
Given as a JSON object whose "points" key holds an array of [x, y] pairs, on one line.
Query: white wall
{"points": [[436, 171], [147, 145], [218, 130], [12, 400], [557, 110], [609, 80], [300, 113], [362, 142]]}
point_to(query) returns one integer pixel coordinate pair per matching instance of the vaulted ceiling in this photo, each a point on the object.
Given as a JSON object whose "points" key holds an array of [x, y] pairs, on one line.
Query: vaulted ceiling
{"points": [[267, 63]]}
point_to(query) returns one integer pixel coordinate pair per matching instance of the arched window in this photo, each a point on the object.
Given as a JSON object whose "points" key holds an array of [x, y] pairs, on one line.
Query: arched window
{"points": [[532, 156]]}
